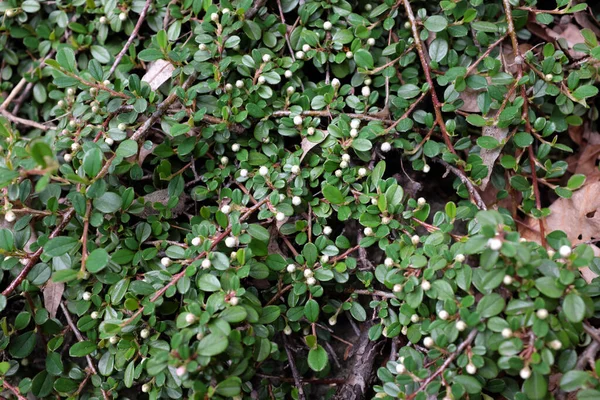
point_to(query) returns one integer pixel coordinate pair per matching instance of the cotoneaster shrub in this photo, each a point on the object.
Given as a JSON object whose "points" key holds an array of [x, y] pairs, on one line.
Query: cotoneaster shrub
{"points": [[281, 199]]}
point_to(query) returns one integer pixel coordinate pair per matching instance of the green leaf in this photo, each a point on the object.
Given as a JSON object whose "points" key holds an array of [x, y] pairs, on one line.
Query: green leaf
{"points": [[536, 387], [363, 59], [471, 384], [438, 49], [82, 349], [212, 344], [436, 23], [60, 245], [209, 283], [333, 194], [258, 232], [127, 148], [311, 310], [490, 305], [585, 91], [100, 54], [476, 120], [574, 380], [54, 364], [108, 203], [358, 311], [180, 129], [23, 345], [97, 260], [252, 29], [317, 358], [574, 307], [362, 144], [92, 162], [65, 56]]}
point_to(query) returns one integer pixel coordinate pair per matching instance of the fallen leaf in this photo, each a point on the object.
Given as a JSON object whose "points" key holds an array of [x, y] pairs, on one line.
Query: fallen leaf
{"points": [[53, 296], [307, 144], [159, 72], [489, 156], [578, 217]]}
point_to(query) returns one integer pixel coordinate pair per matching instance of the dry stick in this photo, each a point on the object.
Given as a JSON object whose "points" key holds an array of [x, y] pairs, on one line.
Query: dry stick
{"points": [[446, 363], [25, 122], [181, 274], [13, 94], [379, 293], [484, 55], [467, 182], [437, 106], [15, 390], [295, 374], [136, 29], [84, 237], [81, 339], [525, 115], [251, 12], [33, 259]]}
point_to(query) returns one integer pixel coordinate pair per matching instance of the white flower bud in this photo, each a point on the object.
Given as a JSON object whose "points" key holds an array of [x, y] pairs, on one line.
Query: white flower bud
{"points": [[397, 288], [166, 261], [368, 231], [551, 253], [428, 342], [542, 313], [311, 281], [231, 242], [362, 172], [444, 315], [60, 104], [103, 20], [290, 90], [459, 258], [109, 141], [471, 369], [94, 315], [421, 202], [371, 41], [327, 230], [507, 280], [295, 169], [300, 55], [549, 77], [332, 321], [226, 209], [291, 268], [327, 25], [228, 87], [122, 16], [310, 131], [121, 126], [68, 157], [355, 123], [266, 58], [214, 17], [87, 296], [335, 82], [425, 285], [385, 147], [400, 368], [288, 74], [206, 263], [564, 251], [368, 82], [261, 80], [10, 216], [386, 220], [305, 48], [338, 172], [235, 147], [225, 11], [555, 345], [415, 240], [224, 160], [234, 301], [407, 25], [507, 333], [239, 84], [349, 54], [280, 216], [460, 325], [181, 370], [414, 318], [263, 170], [426, 168], [287, 330], [353, 133], [144, 333], [114, 340], [494, 244], [106, 82], [368, 7], [298, 120], [75, 147], [525, 373], [243, 173], [190, 318], [282, 197], [365, 91], [308, 273], [388, 262], [324, 259], [146, 387]]}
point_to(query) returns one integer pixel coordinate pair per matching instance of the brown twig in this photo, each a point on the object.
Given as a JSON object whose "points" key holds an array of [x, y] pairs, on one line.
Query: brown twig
{"points": [[446, 363], [134, 33], [80, 338], [295, 374], [466, 181], [484, 55], [14, 390], [25, 122], [437, 106]]}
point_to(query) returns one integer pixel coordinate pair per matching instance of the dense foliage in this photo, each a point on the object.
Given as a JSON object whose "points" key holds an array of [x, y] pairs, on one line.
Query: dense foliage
{"points": [[283, 199]]}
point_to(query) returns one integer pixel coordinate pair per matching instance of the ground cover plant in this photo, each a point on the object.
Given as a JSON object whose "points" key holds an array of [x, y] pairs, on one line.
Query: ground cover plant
{"points": [[291, 199]]}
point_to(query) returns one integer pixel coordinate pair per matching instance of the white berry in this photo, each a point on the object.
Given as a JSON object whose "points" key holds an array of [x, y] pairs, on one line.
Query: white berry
{"points": [[300, 55], [415, 240], [368, 231], [239, 84], [263, 170], [414, 318], [428, 342], [234, 301], [370, 41], [288, 74], [461, 325], [291, 268], [305, 48], [335, 82], [385, 147], [421, 201], [196, 241], [324, 259], [425, 285], [146, 387], [231, 242], [206, 263], [506, 333], [355, 123], [525, 373], [114, 339], [166, 261], [564, 251], [144, 333], [556, 345], [280, 216], [122, 16], [311, 281], [400, 368], [261, 80], [243, 173], [388, 262], [190, 318], [444, 315], [214, 17], [397, 288], [298, 120], [10, 216], [542, 313], [353, 133], [495, 244], [109, 141], [327, 230], [349, 54], [426, 168], [327, 25], [295, 169], [266, 58], [94, 315], [235, 147], [471, 369], [290, 90], [362, 172], [365, 91], [507, 280], [87, 296]]}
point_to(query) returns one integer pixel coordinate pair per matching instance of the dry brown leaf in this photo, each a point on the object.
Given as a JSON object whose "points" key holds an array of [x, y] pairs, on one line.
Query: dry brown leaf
{"points": [[469, 97], [53, 296], [307, 145], [578, 217], [159, 72], [488, 156]]}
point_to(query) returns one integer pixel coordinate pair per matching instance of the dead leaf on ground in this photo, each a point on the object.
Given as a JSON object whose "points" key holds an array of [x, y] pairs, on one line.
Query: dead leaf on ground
{"points": [[578, 217], [307, 145], [159, 72], [53, 296], [489, 156]]}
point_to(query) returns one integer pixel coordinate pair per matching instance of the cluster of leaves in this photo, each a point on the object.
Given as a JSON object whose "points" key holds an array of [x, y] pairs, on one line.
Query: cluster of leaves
{"points": [[190, 211]]}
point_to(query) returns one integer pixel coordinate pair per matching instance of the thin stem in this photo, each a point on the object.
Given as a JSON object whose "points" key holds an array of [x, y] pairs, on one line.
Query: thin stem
{"points": [[25, 122]]}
